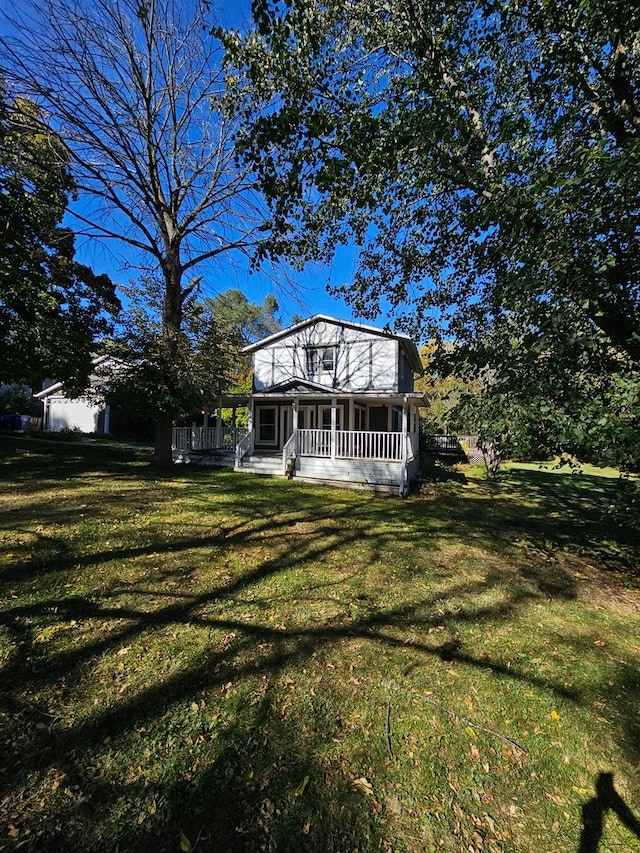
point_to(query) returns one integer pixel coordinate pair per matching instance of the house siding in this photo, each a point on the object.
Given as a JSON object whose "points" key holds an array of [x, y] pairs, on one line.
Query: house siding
{"points": [[363, 361]]}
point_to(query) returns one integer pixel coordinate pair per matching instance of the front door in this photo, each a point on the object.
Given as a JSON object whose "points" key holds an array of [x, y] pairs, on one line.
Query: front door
{"points": [[286, 424], [307, 417]]}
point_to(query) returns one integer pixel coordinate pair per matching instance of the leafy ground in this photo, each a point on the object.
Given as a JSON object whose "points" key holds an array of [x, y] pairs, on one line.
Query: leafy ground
{"points": [[215, 661]]}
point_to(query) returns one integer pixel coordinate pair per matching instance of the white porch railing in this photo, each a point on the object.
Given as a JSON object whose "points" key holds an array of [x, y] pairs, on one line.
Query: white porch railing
{"points": [[354, 444], [314, 442], [244, 448], [289, 451], [184, 439]]}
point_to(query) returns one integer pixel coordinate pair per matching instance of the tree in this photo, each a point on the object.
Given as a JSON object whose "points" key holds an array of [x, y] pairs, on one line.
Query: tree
{"points": [[52, 308], [134, 88], [245, 321], [553, 390], [202, 367], [484, 155]]}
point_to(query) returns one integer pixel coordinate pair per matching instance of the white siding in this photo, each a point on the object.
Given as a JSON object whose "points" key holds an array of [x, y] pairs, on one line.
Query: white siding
{"points": [[78, 413], [364, 361]]}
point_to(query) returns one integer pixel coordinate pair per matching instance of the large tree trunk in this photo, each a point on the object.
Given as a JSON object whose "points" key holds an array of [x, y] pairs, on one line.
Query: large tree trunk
{"points": [[171, 329], [163, 456]]}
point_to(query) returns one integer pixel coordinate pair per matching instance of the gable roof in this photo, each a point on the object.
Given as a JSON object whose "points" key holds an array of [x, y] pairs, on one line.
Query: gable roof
{"points": [[56, 387], [407, 344]]}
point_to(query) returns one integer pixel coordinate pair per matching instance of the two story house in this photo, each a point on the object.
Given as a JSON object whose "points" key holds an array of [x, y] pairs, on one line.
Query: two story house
{"points": [[333, 402]]}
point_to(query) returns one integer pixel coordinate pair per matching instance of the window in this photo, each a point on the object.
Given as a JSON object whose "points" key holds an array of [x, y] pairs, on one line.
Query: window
{"points": [[328, 359], [325, 417], [321, 360], [266, 425], [360, 418]]}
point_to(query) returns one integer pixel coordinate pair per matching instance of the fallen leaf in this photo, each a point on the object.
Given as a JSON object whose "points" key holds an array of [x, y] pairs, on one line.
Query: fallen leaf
{"points": [[393, 805], [554, 798], [554, 715], [300, 789], [185, 844], [364, 785]]}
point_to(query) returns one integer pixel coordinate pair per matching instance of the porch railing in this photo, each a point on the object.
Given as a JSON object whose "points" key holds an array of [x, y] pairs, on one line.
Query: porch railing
{"points": [[289, 451], [354, 444], [184, 439], [244, 448]]}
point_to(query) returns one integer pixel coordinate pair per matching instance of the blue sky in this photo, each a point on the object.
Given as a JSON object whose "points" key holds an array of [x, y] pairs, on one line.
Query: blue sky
{"points": [[307, 292]]}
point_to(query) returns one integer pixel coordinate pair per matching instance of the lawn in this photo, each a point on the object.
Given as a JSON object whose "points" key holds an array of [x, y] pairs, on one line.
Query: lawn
{"points": [[219, 662]]}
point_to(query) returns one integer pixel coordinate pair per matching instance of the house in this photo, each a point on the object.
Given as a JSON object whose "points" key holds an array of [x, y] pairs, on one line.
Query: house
{"points": [[83, 413], [333, 402]]}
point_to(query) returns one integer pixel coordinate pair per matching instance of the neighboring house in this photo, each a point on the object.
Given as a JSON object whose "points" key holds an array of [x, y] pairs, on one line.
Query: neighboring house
{"points": [[78, 413], [333, 401]]}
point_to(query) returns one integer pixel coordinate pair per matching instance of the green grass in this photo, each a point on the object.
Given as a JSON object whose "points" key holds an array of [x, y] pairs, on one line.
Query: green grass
{"points": [[234, 663]]}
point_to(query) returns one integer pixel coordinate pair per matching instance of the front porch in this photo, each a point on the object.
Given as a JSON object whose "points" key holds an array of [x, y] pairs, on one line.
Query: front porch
{"points": [[311, 440], [214, 441]]}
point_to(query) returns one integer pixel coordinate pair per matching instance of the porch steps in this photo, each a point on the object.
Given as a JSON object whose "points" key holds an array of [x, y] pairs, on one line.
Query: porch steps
{"points": [[269, 465]]}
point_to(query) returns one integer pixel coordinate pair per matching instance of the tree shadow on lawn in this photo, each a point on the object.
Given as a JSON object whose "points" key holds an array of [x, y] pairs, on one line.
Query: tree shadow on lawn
{"points": [[546, 513], [606, 799], [225, 803], [230, 803]]}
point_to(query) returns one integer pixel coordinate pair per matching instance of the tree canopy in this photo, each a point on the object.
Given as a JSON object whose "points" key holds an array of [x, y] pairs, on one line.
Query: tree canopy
{"points": [[203, 366], [52, 308], [485, 155], [135, 90]]}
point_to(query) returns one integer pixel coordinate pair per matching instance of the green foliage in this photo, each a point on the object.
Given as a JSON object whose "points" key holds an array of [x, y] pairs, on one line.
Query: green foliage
{"points": [[14, 399], [485, 157], [474, 151], [558, 388], [52, 308], [242, 322], [152, 378]]}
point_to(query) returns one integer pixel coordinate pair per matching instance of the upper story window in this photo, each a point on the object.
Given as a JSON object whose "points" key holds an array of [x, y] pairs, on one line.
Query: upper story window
{"points": [[321, 360]]}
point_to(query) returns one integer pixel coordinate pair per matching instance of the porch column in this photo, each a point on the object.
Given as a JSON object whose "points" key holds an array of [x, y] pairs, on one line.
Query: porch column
{"points": [[294, 423], [334, 423], [405, 428], [219, 424], [233, 425]]}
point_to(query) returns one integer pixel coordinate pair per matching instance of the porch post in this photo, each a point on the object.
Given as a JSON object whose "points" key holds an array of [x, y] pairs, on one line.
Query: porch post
{"points": [[334, 421], [219, 424], [405, 429], [233, 425]]}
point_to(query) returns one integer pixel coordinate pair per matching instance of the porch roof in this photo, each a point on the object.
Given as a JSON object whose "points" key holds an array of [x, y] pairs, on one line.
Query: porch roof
{"points": [[308, 391], [230, 401]]}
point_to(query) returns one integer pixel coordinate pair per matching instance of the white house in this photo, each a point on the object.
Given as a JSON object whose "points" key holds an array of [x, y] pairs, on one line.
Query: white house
{"points": [[333, 401], [80, 413]]}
